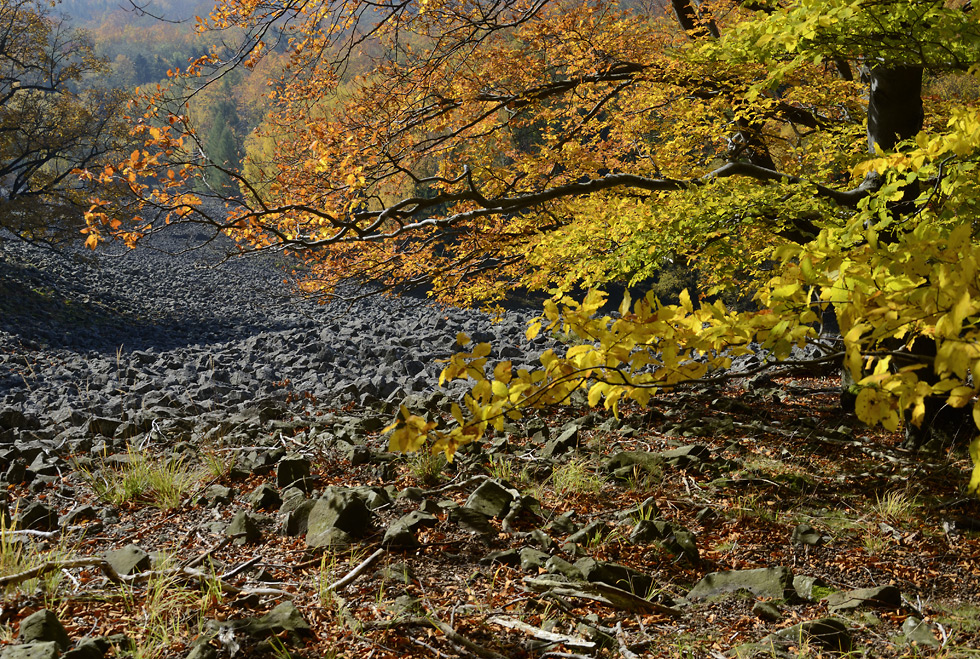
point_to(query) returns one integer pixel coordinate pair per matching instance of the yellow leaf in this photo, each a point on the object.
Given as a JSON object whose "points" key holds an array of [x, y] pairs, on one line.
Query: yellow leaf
{"points": [[685, 300], [596, 392], [503, 372], [974, 485]]}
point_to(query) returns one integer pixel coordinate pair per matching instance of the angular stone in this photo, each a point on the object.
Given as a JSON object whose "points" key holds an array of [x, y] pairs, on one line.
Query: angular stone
{"points": [[284, 618], [803, 585], [217, 495], [296, 521], [510, 557], [884, 596], [829, 633], [80, 513], [685, 456], [589, 533], [775, 582], [558, 565], [244, 528], [491, 498], [766, 611], [533, 560], [373, 497], [265, 497], [919, 633], [293, 471], [471, 520], [615, 574], [128, 560], [330, 537], [42, 627], [650, 530], [564, 442], [48, 650], [102, 426], [38, 516], [340, 509], [89, 648], [645, 460], [804, 534]]}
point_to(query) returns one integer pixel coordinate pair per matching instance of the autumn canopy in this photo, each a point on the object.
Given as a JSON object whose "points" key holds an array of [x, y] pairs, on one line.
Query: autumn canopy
{"points": [[817, 152]]}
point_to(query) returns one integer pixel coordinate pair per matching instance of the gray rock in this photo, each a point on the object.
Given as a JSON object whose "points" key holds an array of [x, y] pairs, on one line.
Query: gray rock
{"points": [[615, 574], [244, 528], [883, 596], [293, 471], [646, 460], [373, 497], [400, 572], [42, 627], [804, 534], [284, 619], [919, 633], [775, 582], [803, 585], [557, 565], [38, 516], [685, 456], [511, 557], [291, 499], [265, 497], [217, 495], [829, 633], [491, 499], [48, 650], [533, 560], [202, 650], [84, 512], [566, 441], [338, 509], [589, 533], [471, 520], [767, 611], [103, 426], [564, 524], [296, 521], [128, 560], [89, 648]]}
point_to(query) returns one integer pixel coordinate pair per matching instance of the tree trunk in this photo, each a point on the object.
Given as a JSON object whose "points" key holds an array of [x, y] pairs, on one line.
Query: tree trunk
{"points": [[894, 105]]}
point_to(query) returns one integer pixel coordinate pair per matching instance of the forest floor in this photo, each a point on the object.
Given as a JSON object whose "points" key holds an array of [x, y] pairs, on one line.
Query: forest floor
{"points": [[771, 458]]}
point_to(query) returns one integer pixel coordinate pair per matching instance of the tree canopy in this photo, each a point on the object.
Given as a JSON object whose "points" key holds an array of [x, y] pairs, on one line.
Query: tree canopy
{"points": [[818, 152], [53, 119]]}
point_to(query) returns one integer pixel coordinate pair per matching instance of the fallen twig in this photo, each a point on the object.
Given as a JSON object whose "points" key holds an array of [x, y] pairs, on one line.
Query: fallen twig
{"points": [[512, 623], [454, 486], [459, 639], [356, 572], [621, 639], [599, 592]]}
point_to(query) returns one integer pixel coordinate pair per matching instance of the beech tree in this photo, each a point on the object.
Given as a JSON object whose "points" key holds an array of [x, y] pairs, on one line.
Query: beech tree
{"points": [[51, 122], [784, 147]]}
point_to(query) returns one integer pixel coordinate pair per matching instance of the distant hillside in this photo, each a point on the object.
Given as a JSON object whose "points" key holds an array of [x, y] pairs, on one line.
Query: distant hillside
{"points": [[95, 12]]}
